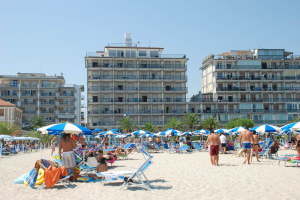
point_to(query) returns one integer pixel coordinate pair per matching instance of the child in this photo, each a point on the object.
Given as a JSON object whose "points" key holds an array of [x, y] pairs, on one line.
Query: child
{"points": [[102, 167]]}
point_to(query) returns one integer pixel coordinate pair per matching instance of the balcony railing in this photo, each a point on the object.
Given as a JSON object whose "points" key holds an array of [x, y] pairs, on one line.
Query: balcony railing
{"points": [[47, 103], [8, 85], [233, 78], [257, 67], [28, 95], [67, 94], [135, 55], [28, 103], [48, 94], [140, 77], [258, 89], [97, 88], [140, 66], [48, 111]]}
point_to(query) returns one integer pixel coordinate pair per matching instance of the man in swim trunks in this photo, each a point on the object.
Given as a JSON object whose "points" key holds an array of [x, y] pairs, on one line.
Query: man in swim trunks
{"points": [[223, 140], [67, 144], [255, 146], [214, 147], [82, 141], [247, 137]]}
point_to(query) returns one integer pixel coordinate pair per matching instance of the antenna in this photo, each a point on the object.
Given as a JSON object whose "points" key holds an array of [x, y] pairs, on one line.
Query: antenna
{"points": [[149, 43], [259, 45], [41, 69]]}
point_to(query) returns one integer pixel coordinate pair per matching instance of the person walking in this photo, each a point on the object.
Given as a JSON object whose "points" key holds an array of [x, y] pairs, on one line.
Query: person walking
{"points": [[68, 157], [214, 147], [255, 146], [223, 141], [247, 138]]}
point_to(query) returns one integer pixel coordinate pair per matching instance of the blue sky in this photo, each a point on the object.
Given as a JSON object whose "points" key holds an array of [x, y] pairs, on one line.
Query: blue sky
{"points": [[56, 35]]}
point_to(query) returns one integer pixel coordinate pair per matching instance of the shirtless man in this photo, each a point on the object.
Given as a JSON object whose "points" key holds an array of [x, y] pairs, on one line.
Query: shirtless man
{"points": [[67, 144], [247, 137], [82, 141], [214, 147], [255, 146]]}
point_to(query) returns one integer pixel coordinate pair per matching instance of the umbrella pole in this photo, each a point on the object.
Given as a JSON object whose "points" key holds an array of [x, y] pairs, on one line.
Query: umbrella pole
{"points": [[40, 149]]}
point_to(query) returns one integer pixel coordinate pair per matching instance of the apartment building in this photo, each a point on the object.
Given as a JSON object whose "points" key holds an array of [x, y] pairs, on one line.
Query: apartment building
{"points": [[48, 96], [140, 81], [10, 113], [259, 84]]}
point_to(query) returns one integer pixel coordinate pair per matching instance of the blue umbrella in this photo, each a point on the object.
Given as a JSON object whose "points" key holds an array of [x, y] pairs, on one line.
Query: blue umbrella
{"points": [[98, 130], [221, 131], [109, 133], [202, 132], [171, 131], [293, 126], [140, 132], [116, 130], [237, 130], [266, 129], [187, 133], [65, 128]]}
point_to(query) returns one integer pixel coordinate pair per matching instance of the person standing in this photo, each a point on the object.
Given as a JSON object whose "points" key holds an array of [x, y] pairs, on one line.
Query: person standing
{"points": [[82, 141], [68, 160], [223, 141], [214, 147], [255, 146], [247, 138], [53, 141]]}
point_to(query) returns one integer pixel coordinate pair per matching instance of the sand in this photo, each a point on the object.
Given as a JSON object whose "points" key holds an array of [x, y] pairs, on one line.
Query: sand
{"points": [[176, 176]]}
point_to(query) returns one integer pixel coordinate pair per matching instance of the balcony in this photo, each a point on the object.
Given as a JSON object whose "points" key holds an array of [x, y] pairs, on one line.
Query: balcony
{"points": [[258, 67], [67, 95], [48, 94], [28, 95], [137, 77], [136, 55], [28, 103], [48, 86], [2, 85], [135, 66], [66, 116]]}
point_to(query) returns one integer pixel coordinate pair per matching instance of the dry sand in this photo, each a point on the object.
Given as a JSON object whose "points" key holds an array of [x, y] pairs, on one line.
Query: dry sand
{"points": [[176, 176]]}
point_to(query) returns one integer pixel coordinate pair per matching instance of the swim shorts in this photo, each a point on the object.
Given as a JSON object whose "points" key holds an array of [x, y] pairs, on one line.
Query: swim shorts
{"points": [[68, 159], [214, 150], [223, 144], [247, 145]]}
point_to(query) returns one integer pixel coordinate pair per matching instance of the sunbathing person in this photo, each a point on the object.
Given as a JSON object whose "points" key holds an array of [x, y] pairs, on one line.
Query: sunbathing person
{"points": [[298, 147], [120, 151], [102, 167], [101, 155]]}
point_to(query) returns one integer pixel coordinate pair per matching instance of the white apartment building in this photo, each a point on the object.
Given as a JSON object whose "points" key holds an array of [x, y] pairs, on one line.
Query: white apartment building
{"points": [[48, 96], [140, 81], [259, 84]]}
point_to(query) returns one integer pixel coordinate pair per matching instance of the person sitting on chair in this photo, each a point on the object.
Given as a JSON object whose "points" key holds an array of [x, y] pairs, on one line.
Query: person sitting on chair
{"points": [[102, 167], [7, 148]]}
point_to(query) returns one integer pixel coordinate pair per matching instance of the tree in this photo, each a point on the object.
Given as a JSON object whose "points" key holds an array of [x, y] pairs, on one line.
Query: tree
{"points": [[126, 125], [295, 120], [190, 120], [37, 121], [237, 122], [7, 128], [173, 123], [45, 138], [210, 123], [148, 126]]}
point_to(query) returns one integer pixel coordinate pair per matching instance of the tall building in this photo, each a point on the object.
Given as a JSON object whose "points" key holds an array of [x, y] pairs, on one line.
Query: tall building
{"points": [[10, 113], [140, 81], [48, 96], [259, 84]]}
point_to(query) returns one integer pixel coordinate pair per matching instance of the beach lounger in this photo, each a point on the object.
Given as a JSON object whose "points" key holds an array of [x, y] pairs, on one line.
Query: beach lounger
{"points": [[166, 147], [266, 150], [198, 147]]}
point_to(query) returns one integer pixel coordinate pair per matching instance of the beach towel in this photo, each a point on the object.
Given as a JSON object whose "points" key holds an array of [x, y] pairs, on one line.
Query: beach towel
{"points": [[109, 175], [31, 179], [53, 175]]}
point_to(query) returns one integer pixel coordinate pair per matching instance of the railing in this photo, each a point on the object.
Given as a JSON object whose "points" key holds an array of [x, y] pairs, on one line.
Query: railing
{"points": [[142, 77], [258, 78], [97, 88], [28, 86], [135, 55], [257, 67], [47, 103], [48, 94], [48, 85], [48, 111], [67, 94], [28, 95], [140, 66], [8, 85], [28, 103], [6, 94], [258, 89], [67, 104], [29, 111]]}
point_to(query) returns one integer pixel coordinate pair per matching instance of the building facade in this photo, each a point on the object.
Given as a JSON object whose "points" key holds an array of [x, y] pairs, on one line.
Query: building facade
{"points": [[259, 84], [48, 96], [10, 113], [142, 82]]}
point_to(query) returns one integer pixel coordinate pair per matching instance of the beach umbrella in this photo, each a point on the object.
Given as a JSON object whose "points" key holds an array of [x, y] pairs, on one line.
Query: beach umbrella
{"points": [[187, 133], [202, 132], [109, 133], [145, 135], [65, 128], [98, 130], [171, 131], [266, 129], [116, 130], [5, 136], [221, 131], [293, 126], [141, 132], [152, 135], [237, 130]]}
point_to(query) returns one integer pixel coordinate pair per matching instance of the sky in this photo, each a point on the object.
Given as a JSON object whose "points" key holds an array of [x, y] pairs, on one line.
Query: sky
{"points": [[53, 36]]}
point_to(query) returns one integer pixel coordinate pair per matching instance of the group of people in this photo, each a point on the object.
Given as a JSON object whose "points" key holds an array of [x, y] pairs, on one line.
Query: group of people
{"points": [[249, 142]]}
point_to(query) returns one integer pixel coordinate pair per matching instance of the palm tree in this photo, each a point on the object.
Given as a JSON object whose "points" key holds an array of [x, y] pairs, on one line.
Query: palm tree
{"points": [[210, 123], [190, 120], [148, 126], [7, 128], [126, 125], [37, 121], [173, 123], [45, 138]]}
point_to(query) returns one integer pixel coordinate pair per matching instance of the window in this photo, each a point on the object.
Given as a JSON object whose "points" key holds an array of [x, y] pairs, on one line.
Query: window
{"points": [[154, 54], [142, 53], [1, 112], [120, 53], [112, 53]]}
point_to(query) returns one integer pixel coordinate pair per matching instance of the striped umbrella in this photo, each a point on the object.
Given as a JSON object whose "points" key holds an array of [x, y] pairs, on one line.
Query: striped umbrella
{"points": [[171, 131], [266, 129], [187, 133], [109, 133], [293, 126], [202, 132], [65, 128], [141, 132], [237, 130], [221, 131]]}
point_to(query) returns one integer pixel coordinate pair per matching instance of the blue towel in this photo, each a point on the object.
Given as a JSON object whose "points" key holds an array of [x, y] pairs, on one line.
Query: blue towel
{"points": [[31, 179]]}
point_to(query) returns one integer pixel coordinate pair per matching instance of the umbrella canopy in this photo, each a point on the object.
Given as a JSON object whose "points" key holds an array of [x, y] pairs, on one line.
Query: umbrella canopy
{"points": [[145, 135], [221, 131], [237, 130], [266, 129], [187, 133], [116, 130], [141, 132], [293, 126], [121, 136], [21, 138], [97, 130], [65, 128], [109, 133], [5, 136], [171, 131], [202, 132]]}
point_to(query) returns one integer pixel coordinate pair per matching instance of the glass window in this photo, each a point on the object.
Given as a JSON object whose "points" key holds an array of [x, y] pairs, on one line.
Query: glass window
{"points": [[142, 53], [1, 112], [154, 54], [290, 117], [112, 53], [133, 54]]}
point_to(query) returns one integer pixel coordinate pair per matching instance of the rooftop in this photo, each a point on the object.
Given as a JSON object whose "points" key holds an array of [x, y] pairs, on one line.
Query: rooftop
{"points": [[5, 104]]}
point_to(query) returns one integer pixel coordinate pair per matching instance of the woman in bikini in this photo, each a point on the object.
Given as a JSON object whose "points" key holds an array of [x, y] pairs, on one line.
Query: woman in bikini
{"points": [[53, 142], [255, 146]]}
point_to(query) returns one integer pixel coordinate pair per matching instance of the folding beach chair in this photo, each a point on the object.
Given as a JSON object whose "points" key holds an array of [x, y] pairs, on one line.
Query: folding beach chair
{"points": [[166, 147], [198, 147], [266, 150]]}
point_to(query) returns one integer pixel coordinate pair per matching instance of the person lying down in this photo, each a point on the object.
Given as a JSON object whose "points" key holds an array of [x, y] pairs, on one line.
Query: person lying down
{"points": [[102, 167]]}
